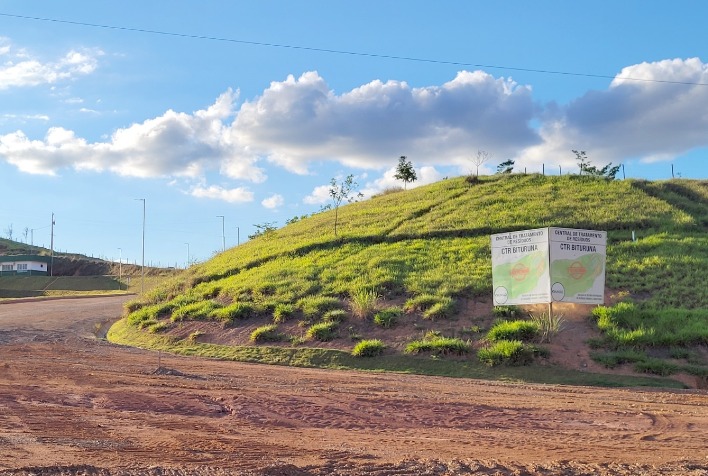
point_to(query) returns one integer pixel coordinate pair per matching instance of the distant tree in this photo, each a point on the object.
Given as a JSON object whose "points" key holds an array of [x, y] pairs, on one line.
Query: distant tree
{"points": [[608, 171], [9, 232], [405, 171], [505, 167], [342, 191], [263, 229], [25, 233], [481, 157]]}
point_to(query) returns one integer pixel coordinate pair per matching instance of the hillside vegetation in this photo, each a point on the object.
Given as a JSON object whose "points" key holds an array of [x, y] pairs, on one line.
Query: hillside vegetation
{"points": [[409, 273]]}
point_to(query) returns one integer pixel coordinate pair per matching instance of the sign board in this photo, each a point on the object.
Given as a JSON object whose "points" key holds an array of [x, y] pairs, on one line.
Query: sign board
{"points": [[548, 264], [577, 265], [520, 267]]}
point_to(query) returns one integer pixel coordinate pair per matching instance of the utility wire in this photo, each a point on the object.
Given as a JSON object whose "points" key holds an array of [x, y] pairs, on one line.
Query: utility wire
{"points": [[350, 53]]}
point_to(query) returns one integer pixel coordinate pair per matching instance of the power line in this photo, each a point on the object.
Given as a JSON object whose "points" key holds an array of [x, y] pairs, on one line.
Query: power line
{"points": [[350, 53]]}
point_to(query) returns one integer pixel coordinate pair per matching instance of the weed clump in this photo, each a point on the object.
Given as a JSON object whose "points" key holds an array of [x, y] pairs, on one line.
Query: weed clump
{"points": [[513, 331], [387, 317], [267, 333], [510, 352], [322, 331], [368, 348], [364, 302]]}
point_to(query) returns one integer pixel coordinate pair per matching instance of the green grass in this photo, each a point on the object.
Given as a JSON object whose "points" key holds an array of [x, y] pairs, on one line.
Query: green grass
{"points": [[429, 249], [368, 348], [388, 317], [513, 331]]}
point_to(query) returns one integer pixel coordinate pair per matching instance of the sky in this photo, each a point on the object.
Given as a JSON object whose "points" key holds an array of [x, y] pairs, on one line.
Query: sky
{"points": [[221, 115]]}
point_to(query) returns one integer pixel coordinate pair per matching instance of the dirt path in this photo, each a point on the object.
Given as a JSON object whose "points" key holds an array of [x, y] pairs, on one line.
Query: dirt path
{"points": [[73, 404]]}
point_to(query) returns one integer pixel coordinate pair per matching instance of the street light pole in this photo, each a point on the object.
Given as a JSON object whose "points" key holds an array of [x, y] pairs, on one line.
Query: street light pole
{"points": [[120, 266], [238, 236], [187, 254], [142, 267], [223, 233]]}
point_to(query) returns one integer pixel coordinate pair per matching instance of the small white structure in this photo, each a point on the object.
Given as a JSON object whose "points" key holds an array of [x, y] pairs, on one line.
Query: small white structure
{"points": [[24, 265]]}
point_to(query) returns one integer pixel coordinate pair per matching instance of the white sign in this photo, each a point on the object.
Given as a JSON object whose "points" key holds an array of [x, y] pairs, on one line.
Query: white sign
{"points": [[520, 267], [548, 264], [578, 265]]}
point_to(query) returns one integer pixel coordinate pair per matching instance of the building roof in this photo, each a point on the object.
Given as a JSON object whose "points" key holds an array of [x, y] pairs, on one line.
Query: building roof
{"points": [[15, 258]]}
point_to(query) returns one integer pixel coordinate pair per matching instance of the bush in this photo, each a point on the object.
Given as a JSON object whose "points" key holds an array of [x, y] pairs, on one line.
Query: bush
{"points": [[282, 312], [511, 352], [364, 302], [513, 330], [267, 333], [368, 348], [322, 331], [388, 317]]}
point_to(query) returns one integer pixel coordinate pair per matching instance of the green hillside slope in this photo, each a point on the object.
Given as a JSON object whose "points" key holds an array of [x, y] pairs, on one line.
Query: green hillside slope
{"points": [[424, 255]]}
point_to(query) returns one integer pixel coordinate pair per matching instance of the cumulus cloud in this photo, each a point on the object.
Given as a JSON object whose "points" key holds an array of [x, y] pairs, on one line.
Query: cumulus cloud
{"points": [[319, 195], [297, 121], [172, 145], [273, 201], [21, 70], [646, 117], [232, 195]]}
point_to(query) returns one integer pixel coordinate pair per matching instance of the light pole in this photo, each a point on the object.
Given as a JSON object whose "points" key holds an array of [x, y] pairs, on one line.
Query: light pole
{"points": [[120, 266], [223, 235], [187, 254], [142, 266], [238, 236]]}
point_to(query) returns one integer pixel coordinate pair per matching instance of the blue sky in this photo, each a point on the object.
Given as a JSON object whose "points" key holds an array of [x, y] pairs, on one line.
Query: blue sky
{"points": [[249, 109]]}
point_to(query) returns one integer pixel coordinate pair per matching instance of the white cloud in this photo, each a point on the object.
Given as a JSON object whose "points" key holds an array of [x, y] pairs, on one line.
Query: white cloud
{"points": [[233, 195], [631, 119], [274, 201], [174, 144], [21, 70], [298, 121], [318, 196]]}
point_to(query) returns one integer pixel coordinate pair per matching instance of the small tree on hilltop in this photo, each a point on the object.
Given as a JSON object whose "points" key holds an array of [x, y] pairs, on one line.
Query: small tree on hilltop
{"points": [[342, 191], [405, 171], [481, 157], [505, 167], [608, 171]]}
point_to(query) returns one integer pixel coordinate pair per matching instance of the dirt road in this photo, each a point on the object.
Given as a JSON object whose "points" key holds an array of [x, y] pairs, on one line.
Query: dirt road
{"points": [[74, 404]]}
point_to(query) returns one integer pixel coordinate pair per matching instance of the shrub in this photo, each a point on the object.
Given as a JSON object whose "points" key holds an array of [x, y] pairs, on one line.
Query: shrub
{"points": [[364, 302], [282, 311], [388, 317], [316, 306], [438, 346], [267, 333], [513, 330], [511, 352], [322, 331], [368, 348]]}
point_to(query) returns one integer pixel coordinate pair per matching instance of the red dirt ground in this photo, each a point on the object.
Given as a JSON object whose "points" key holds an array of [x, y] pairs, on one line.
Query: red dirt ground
{"points": [[74, 404]]}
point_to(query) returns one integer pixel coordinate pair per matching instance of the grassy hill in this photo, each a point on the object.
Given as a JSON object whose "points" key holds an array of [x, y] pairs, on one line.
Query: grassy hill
{"points": [[410, 272]]}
